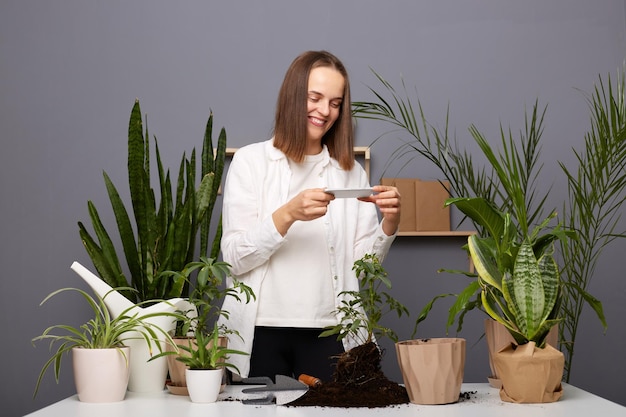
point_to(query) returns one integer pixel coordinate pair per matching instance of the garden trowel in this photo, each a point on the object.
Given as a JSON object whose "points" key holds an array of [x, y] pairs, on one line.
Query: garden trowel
{"points": [[284, 391]]}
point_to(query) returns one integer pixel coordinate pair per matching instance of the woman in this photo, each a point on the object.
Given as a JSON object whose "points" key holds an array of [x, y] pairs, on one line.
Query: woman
{"points": [[293, 243]]}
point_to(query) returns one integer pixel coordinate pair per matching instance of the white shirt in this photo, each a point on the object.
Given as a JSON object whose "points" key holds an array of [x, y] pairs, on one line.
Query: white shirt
{"points": [[297, 290], [257, 183]]}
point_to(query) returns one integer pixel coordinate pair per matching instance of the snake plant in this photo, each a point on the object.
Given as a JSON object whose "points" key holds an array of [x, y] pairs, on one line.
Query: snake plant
{"points": [[164, 236], [518, 278]]}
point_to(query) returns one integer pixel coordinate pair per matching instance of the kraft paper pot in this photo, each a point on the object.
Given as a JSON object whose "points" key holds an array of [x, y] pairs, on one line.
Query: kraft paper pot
{"points": [[529, 374], [432, 369], [498, 337]]}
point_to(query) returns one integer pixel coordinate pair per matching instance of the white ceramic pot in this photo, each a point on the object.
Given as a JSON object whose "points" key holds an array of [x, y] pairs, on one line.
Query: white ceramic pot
{"points": [[204, 384], [101, 375], [144, 376]]}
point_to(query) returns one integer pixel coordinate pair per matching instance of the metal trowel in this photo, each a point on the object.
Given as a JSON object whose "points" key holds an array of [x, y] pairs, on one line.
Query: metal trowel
{"points": [[284, 391]]}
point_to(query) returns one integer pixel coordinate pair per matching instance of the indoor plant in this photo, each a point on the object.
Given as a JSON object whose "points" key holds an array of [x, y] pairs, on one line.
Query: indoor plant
{"points": [[596, 195], [596, 188], [206, 277], [103, 381], [358, 380], [165, 233], [518, 278], [207, 357], [520, 288]]}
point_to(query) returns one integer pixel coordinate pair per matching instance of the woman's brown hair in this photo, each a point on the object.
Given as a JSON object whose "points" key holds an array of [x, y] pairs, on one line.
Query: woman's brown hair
{"points": [[291, 108]]}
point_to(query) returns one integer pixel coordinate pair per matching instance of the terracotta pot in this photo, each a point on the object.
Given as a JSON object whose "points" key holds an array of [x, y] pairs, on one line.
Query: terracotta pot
{"points": [[178, 381], [498, 337], [101, 375], [432, 369], [204, 384], [529, 374]]}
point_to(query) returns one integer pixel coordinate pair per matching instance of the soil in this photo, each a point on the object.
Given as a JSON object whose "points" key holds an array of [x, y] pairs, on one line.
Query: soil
{"points": [[358, 381]]}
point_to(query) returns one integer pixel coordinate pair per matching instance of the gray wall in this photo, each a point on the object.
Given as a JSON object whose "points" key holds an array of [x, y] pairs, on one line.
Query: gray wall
{"points": [[70, 71]]}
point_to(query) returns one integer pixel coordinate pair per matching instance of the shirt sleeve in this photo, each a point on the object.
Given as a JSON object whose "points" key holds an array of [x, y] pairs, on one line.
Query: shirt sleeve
{"points": [[248, 239]]}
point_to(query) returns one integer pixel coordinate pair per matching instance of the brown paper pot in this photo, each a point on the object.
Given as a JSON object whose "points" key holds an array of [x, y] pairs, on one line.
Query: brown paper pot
{"points": [[529, 374], [498, 337], [432, 369]]}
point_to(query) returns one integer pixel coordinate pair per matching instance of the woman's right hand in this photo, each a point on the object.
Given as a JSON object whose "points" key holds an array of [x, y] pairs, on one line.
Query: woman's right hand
{"points": [[307, 205]]}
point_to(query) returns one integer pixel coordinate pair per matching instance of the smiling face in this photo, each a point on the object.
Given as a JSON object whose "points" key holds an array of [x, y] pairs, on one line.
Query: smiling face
{"points": [[324, 98]]}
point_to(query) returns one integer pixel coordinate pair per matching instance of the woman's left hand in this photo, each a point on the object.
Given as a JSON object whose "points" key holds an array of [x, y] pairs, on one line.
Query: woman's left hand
{"points": [[388, 202]]}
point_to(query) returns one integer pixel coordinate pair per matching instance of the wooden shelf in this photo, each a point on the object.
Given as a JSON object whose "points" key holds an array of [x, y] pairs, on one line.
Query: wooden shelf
{"points": [[441, 233]]}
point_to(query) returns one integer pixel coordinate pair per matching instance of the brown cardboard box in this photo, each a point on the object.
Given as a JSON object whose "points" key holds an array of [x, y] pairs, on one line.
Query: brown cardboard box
{"points": [[406, 188], [422, 204], [430, 213]]}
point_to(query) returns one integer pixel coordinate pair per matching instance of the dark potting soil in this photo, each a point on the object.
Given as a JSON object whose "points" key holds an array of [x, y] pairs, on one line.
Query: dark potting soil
{"points": [[358, 381]]}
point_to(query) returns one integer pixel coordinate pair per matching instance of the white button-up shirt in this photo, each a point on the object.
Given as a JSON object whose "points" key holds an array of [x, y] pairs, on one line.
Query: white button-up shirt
{"points": [[257, 183]]}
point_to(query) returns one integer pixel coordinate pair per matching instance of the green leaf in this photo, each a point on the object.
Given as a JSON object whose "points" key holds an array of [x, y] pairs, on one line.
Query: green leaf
{"points": [[528, 293], [482, 257]]}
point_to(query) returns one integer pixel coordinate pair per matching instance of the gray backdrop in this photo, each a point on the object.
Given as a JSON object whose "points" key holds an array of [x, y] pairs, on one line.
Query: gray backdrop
{"points": [[71, 70]]}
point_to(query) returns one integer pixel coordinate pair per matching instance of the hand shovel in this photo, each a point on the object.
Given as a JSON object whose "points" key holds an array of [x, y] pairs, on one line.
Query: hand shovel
{"points": [[284, 391]]}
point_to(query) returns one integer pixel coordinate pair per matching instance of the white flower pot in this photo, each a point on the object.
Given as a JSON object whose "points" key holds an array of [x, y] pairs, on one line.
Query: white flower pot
{"points": [[101, 375], [203, 384]]}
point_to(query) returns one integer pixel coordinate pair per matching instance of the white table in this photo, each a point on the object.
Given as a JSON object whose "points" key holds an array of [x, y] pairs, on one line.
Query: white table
{"points": [[485, 402]]}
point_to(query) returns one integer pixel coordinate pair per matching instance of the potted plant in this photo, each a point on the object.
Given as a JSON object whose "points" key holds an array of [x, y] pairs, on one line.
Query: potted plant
{"points": [[165, 233], [207, 357], [164, 236], [206, 277], [100, 358], [520, 288], [595, 188], [358, 380]]}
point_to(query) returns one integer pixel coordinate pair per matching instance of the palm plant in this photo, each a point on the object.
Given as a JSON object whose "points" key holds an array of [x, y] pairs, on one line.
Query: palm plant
{"points": [[164, 235], [596, 189], [596, 192], [509, 186]]}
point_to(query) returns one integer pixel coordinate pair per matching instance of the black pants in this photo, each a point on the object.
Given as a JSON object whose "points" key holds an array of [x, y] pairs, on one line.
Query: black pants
{"points": [[293, 351]]}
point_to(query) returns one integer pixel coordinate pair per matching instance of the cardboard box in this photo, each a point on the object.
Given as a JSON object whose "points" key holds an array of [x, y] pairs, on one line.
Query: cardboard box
{"points": [[422, 204], [430, 213], [406, 188]]}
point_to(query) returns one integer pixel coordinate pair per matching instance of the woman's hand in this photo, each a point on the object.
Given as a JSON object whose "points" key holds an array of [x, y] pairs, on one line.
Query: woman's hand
{"points": [[307, 205], [388, 202]]}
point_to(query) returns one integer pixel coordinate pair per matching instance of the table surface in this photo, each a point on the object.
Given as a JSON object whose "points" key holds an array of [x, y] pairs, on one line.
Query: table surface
{"points": [[484, 401]]}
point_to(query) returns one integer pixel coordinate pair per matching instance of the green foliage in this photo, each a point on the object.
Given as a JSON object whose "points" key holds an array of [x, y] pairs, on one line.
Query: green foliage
{"points": [[208, 290], [596, 193], [522, 293], [164, 234], [100, 332], [596, 188], [506, 184], [208, 353], [363, 309]]}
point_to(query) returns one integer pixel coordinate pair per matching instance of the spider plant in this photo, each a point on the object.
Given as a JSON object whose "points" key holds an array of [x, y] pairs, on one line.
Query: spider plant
{"points": [[102, 331]]}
